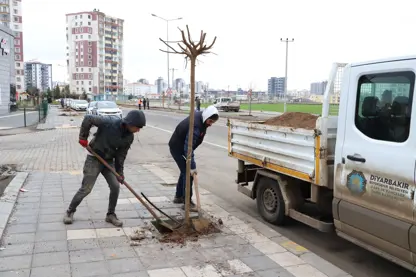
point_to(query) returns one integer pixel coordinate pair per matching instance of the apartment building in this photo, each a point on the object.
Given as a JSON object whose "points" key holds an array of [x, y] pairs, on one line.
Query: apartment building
{"points": [[95, 54], [11, 17], [276, 86], [38, 75], [7, 70]]}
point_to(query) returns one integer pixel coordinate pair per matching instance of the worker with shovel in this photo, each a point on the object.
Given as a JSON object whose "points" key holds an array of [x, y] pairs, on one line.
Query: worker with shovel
{"points": [[111, 142], [178, 145]]}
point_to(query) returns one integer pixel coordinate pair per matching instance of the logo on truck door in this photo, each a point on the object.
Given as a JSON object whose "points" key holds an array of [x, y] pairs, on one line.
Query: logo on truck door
{"points": [[356, 183]]}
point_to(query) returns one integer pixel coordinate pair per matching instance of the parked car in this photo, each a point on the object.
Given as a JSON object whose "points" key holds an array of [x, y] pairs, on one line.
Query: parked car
{"points": [[227, 104], [106, 108], [79, 105], [91, 106]]}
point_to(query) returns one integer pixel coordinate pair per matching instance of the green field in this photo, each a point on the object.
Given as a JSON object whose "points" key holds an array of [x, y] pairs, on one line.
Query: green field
{"points": [[279, 107]]}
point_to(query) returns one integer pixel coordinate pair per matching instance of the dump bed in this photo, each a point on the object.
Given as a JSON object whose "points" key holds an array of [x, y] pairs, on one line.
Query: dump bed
{"points": [[303, 153]]}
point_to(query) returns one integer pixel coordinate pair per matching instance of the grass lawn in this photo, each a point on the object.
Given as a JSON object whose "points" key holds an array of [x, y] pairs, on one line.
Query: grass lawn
{"points": [[278, 107]]}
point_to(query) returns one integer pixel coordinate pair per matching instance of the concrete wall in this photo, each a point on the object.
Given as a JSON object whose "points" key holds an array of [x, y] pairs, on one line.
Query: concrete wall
{"points": [[7, 68]]}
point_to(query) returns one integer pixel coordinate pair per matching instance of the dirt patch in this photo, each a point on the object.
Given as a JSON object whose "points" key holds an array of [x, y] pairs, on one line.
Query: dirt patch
{"points": [[295, 120], [184, 234]]}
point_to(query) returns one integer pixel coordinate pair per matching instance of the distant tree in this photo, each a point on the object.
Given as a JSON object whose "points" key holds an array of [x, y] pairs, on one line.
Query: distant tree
{"points": [[130, 96], [67, 91], [84, 95], [57, 92]]}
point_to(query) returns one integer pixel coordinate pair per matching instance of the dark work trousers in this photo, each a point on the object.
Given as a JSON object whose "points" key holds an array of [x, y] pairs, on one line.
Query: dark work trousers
{"points": [[181, 185], [92, 168]]}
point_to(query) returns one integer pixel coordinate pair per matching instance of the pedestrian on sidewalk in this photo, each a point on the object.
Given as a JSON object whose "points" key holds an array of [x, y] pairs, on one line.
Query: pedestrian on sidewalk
{"points": [[198, 104], [62, 103], [178, 146], [140, 103], [148, 103], [144, 103], [112, 142]]}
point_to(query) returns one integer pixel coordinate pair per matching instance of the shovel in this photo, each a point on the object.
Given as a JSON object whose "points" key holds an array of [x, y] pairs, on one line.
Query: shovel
{"points": [[161, 225], [200, 224]]}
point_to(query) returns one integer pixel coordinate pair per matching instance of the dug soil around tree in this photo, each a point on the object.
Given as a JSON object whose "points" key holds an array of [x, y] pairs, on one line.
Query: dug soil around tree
{"points": [[294, 120]]}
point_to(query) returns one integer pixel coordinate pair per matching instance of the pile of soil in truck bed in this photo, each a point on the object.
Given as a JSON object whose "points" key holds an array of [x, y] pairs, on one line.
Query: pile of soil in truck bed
{"points": [[294, 119]]}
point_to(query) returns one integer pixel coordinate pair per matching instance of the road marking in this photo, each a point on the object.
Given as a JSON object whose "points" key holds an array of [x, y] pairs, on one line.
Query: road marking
{"points": [[6, 116], [170, 132]]}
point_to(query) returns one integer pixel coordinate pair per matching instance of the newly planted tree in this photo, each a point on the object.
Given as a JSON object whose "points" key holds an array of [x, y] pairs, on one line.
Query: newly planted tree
{"points": [[191, 50]]}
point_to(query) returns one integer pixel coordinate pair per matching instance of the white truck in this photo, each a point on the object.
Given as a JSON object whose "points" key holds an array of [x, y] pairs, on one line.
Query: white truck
{"points": [[353, 172], [226, 104]]}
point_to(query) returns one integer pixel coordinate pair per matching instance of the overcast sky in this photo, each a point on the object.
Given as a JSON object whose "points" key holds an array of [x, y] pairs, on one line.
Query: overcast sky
{"points": [[248, 46]]}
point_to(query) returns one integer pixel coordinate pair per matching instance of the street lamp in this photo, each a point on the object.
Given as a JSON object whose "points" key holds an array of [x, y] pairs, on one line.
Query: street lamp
{"points": [[167, 41], [287, 53]]}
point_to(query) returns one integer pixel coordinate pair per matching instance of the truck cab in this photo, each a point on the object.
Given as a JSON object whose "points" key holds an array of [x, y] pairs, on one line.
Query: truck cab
{"points": [[226, 104], [375, 157], [357, 165]]}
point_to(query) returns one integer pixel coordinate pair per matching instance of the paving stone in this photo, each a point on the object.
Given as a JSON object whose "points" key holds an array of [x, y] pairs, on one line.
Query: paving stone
{"points": [[21, 228], [19, 238], [51, 258], [22, 220], [51, 271], [81, 234], [133, 222], [171, 272], [259, 263], [215, 255], [80, 244], [269, 247], [254, 237], [46, 218], [233, 267], [51, 226], [304, 270], [109, 232], [127, 214], [205, 271], [324, 266], [135, 274], [17, 249], [114, 242], [50, 236], [16, 273], [80, 224], [87, 255], [51, 246], [89, 269], [286, 259], [15, 262], [243, 250], [277, 272], [294, 247], [118, 252], [125, 265]]}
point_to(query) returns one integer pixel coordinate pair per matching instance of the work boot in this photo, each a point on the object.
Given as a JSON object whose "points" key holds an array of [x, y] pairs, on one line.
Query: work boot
{"points": [[193, 208], [68, 217], [178, 200], [112, 218]]}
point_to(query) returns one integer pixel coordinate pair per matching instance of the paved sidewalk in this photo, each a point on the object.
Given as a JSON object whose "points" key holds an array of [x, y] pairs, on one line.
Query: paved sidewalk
{"points": [[37, 243]]}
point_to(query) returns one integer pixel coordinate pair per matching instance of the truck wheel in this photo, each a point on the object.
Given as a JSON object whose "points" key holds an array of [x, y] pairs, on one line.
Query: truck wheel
{"points": [[270, 202]]}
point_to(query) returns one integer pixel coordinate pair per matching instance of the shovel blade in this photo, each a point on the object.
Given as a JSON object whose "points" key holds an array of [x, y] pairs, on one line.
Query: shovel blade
{"points": [[201, 225]]}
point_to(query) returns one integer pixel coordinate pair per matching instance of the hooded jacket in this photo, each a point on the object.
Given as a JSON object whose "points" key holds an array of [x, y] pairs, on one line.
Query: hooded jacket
{"points": [[178, 142], [111, 141]]}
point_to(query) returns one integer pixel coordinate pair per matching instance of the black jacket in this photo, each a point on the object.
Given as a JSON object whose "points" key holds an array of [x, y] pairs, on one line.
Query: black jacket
{"points": [[111, 141], [179, 140]]}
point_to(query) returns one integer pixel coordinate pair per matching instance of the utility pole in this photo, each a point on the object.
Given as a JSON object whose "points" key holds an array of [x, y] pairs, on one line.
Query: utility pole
{"points": [[287, 54], [174, 86]]}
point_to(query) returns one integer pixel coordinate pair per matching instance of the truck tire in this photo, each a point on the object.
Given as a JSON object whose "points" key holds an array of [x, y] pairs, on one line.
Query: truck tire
{"points": [[270, 202]]}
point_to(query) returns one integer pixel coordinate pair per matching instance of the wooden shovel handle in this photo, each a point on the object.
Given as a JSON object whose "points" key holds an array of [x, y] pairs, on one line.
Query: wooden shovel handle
{"points": [[198, 201], [124, 183]]}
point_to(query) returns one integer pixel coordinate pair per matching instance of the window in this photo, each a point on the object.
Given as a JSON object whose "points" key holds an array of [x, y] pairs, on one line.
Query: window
{"points": [[15, 19], [16, 42], [89, 57], [14, 3], [89, 16], [80, 16], [82, 82], [77, 69], [18, 64], [89, 23], [89, 69], [90, 64], [14, 11], [16, 27], [384, 105], [77, 82], [89, 89], [82, 36], [81, 76], [76, 17], [76, 23], [76, 37], [89, 43], [90, 83], [89, 36], [89, 50], [17, 50], [17, 57]]}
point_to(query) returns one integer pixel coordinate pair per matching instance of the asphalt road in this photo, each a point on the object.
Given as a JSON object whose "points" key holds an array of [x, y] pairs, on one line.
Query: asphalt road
{"points": [[16, 119], [217, 173]]}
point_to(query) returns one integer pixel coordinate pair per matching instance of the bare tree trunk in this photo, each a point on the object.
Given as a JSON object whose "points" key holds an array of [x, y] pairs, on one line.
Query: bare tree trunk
{"points": [[190, 140]]}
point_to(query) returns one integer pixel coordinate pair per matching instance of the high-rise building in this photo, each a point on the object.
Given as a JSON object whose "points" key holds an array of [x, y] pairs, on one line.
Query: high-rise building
{"points": [[160, 83], [11, 16], [7, 70], [318, 88], [179, 84], [95, 54], [276, 87], [38, 75]]}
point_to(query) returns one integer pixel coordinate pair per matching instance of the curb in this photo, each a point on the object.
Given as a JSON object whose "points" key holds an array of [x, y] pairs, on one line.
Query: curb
{"points": [[8, 200]]}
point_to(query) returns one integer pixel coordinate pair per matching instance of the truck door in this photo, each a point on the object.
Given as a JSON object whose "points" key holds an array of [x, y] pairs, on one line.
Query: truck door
{"points": [[378, 156]]}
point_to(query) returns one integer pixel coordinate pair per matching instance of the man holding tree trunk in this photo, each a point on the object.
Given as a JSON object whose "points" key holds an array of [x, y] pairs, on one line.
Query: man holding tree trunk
{"points": [[178, 146]]}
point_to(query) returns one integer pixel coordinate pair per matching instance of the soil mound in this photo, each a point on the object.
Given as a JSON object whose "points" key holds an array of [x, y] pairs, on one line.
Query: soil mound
{"points": [[294, 119]]}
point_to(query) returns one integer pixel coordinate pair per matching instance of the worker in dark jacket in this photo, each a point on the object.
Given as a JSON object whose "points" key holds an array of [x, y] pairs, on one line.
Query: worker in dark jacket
{"points": [[112, 141], [178, 145]]}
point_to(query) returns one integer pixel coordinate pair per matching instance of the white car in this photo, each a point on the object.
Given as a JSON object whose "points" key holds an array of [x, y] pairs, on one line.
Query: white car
{"points": [[106, 108], [79, 105], [91, 106]]}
